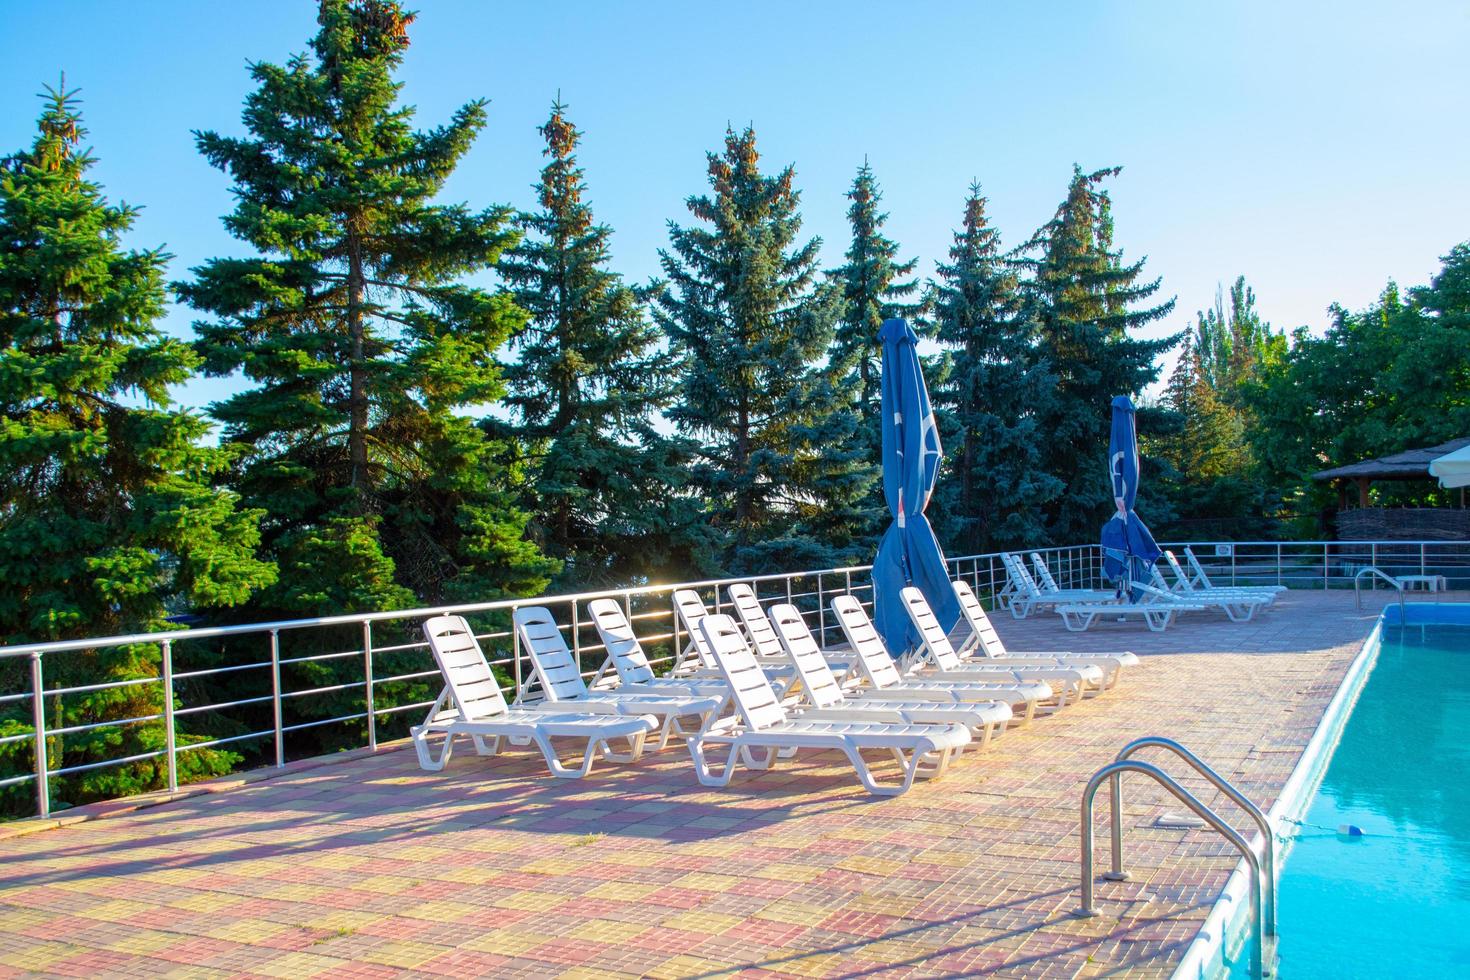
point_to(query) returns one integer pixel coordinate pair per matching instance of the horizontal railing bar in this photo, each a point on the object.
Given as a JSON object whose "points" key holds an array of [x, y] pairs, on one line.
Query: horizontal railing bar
{"points": [[206, 672], [221, 705]]}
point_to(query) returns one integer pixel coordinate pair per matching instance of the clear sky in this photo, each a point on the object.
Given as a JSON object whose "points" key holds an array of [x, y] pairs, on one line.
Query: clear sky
{"points": [[1319, 149]]}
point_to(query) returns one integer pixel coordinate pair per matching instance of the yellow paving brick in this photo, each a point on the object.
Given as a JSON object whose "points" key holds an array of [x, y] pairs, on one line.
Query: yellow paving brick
{"points": [[382, 884], [710, 923], [531, 901], [336, 919], [790, 872], [800, 913], [143, 943], [247, 931], [298, 964], [205, 902], [630, 891], [506, 942], [440, 911], [554, 866], [117, 910], [701, 881], [607, 931], [870, 865], [404, 954], [680, 967]]}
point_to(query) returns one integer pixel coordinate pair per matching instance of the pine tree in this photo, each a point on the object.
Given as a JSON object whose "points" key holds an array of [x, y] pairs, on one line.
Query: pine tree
{"points": [[779, 472], [108, 521], [993, 398], [362, 340], [871, 292], [1087, 306], [589, 379]]}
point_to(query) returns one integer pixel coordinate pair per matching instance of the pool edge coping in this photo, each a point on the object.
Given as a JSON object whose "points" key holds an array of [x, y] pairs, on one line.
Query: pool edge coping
{"points": [[1204, 958]]}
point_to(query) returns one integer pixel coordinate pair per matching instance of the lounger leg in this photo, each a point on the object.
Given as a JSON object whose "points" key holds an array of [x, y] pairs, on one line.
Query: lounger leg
{"points": [[635, 749], [482, 749], [702, 770], [427, 761]]}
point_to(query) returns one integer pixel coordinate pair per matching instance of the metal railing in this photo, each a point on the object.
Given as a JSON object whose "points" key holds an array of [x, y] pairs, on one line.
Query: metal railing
{"points": [[1262, 914], [378, 663], [293, 664]]}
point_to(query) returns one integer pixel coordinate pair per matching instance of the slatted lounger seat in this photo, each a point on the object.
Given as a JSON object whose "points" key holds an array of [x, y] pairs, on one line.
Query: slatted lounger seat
{"points": [[938, 658], [1030, 597], [1157, 610], [1202, 578], [471, 704], [984, 645], [560, 679], [1182, 586], [763, 729], [821, 690], [626, 657], [879, 671]]}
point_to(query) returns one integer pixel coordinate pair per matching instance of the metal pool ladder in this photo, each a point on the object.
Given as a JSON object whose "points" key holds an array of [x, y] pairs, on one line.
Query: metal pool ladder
{"points": [[1374, 570], [1262, 866]]}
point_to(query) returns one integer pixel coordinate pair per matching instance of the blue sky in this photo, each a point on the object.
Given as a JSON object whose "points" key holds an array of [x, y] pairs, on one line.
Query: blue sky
{"points": [[1318, 149]]}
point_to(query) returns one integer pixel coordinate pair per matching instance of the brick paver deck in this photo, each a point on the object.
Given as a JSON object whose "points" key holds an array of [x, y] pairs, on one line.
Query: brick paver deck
{"points": [[372, 868]]}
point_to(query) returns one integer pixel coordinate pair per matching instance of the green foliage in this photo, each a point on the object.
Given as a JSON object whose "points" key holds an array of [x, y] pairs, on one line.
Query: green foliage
{"points": [[992, 399], [872, 291], [1392, 377], [779, 470], [1087, 304], [107, 515], [587, 384], [363, 343]]}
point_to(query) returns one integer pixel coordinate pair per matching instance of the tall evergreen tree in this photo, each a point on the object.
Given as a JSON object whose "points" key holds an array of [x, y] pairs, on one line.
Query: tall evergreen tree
{"points": [[1087, 302], [872, 291], [589, 380], [362, 340], [779, 470], [108, 521], [993, 398]]}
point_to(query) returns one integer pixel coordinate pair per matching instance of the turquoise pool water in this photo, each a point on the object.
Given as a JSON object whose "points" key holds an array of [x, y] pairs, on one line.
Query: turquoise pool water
{"points": [[1394, 902]]}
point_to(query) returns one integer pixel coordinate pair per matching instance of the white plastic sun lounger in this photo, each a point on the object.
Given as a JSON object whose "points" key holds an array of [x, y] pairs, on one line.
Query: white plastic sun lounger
{"points": [[1182, 586], [1157, 610], [625, 655], [938, 657], [1241, 607], [762, 635], [1031, 597], [880, 672], [471, 704], [763, 729], [1202, 579], [821, 690], [560, 679], [698, 659], [987, 647]]}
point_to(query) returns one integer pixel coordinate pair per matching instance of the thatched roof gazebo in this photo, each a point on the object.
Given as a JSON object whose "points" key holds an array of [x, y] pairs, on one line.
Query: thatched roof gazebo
{"points": [[1417, 523], [1411, 464]]}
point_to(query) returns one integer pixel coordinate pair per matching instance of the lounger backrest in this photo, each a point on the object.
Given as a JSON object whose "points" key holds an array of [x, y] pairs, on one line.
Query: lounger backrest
{"points": [[1156, 578], [464, 667], [1043, 573], [935, 641], [1199, 570], [974, 614], [622, 643], [689, 607], [753, 618], [817, 678], [1180, 575], [754, 698], [1017, 569], [556, 668], [873, 659]]}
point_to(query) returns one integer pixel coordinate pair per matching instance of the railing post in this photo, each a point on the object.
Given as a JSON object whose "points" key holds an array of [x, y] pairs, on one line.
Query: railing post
{"points": [[821, 613], [1325, 585], [276, 697], [515, 650], [367, 682], [170, 740], [38, 718], [576, 638], [1422, 570], [1278, 563], [847, 582], [1373, 560]]}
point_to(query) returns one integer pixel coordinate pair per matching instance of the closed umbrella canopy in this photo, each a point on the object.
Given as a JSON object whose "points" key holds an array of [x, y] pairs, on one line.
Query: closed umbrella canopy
{"points": [[1129, 550], [1453, 469], [909, 553]]}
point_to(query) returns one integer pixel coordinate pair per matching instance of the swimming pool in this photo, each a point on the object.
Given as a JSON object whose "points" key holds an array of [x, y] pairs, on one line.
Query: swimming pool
{"points": [[1395, 901]]}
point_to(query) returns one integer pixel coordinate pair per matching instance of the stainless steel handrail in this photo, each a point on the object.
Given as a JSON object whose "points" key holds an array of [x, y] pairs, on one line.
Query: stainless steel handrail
{"points": [[1358, 591], [1087, 910], [1263, 823]]}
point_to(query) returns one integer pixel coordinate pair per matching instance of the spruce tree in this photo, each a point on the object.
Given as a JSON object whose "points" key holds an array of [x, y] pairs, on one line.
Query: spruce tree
{"points": [[872, 291], [779, 470], [362, 341], [1088, 307], [992, 399], [589, 379], [108, 520]]}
